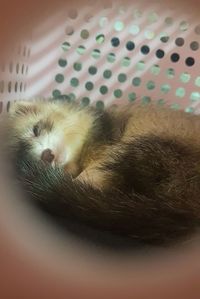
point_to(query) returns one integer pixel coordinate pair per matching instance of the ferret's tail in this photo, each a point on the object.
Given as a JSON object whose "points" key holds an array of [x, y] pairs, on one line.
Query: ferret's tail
{"points": [[130, 215]]}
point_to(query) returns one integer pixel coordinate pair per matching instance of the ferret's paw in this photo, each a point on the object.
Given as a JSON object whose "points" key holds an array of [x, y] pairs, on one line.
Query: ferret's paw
{"points": [[94, 177]]}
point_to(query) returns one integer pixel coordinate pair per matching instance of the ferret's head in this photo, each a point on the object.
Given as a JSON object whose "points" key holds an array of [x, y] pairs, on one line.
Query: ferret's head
{"points": [[52, 131]]}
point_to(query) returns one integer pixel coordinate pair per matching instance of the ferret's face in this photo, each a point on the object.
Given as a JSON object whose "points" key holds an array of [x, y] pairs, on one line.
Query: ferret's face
{"points": [[50, 131]]}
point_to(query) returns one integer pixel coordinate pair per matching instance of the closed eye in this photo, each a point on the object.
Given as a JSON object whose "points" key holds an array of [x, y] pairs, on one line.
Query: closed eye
{"points": [[36, 130], [42, 126]]}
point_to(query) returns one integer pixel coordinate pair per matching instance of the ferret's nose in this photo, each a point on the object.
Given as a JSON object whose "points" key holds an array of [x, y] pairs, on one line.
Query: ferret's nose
{"points": [[47, 156]]}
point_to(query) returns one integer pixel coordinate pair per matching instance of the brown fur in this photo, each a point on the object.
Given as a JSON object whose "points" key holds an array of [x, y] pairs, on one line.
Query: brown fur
{"points": [[133, 122], [135, 169]]}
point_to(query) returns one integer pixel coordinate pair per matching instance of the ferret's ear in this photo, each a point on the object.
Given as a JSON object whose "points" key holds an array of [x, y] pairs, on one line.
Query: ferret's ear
{"points": [[22, 108]]}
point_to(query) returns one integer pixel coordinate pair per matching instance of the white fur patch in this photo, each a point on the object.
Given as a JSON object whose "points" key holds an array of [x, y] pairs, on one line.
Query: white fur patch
{"points": [[55, 142]]}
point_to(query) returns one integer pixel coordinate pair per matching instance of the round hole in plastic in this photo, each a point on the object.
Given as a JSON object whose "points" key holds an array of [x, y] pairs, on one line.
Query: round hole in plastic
{"points": [[130, 45], [194, 45], [180, 41], [115, 41], [145, 49], [69, 30], [175, 57], [160, 53]]}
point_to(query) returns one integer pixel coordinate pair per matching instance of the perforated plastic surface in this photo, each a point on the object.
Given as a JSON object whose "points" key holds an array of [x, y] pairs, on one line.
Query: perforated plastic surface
{"points": [[109, 53]]}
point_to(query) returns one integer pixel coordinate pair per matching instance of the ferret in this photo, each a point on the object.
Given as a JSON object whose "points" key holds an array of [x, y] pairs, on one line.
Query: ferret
{"points": [[132, 170]]}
